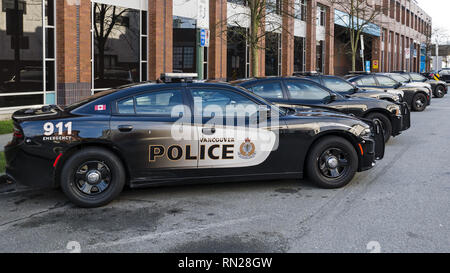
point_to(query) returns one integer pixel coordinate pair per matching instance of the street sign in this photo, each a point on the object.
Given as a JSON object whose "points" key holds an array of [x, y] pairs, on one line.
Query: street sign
{"points": [[407, 53], [376, 64], [367, 66], [204, 37]]}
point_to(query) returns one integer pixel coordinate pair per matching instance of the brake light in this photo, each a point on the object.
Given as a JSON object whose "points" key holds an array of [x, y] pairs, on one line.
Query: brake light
{"points": [[17, 134]]}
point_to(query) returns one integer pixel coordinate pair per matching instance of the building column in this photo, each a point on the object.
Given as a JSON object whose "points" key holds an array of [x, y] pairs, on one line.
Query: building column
{"points": [[160, 38], [311, 43], [376, 53], [73, 38], [217, 59], [287, 56], [329, 41]]}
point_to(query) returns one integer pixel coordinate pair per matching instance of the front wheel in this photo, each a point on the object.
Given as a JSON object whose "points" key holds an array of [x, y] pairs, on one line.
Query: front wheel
{"points": [[385, 122], [419, 102], [439, 92], [93, 177], [332, 163]]}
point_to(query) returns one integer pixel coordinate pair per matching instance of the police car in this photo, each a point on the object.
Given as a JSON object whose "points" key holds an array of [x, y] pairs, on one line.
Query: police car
{"points": [[182, 131]]}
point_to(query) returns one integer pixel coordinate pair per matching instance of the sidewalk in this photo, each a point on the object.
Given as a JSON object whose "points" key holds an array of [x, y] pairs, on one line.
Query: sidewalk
{"points": [[4, 139]]}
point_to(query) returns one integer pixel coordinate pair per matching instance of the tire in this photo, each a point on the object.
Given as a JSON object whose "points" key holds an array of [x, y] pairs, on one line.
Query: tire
{"points": [[419, 103], [386, 124], [439, 92], [102, 168], [320, 173]]}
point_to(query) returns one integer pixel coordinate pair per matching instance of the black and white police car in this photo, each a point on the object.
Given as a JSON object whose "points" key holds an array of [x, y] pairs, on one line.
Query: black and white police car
{"points": [[182, 131]]}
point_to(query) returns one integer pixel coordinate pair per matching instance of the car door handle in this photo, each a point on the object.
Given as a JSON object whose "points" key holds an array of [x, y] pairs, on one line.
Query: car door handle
{"points": [[209, 131], [125, 128]]}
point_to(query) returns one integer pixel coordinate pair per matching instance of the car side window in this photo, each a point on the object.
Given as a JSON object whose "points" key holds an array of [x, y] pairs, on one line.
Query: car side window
{"points": [[269, 90], [444, 72], [337, 85], [126, 106], [222, 103], [306, 91], [366, 81], [386, 81], [158, 103]]}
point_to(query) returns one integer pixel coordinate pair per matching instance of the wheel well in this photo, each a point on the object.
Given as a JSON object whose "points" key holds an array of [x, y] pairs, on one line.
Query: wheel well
{"points": [[66, 155], [343, 135], [379, 111]]}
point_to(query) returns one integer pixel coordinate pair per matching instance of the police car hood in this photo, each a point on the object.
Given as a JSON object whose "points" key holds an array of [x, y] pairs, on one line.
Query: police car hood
{"points": [[418, 84], [309, 111]]}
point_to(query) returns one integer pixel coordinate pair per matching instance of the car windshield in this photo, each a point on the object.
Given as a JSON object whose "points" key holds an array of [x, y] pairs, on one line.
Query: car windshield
{"points": [[399, 78]]}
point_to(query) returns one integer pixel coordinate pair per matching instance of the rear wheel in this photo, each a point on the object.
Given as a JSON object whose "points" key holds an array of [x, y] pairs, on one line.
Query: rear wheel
{"points": [[419, 102], [92, 177], [439, 92], [332, 163], [385, 122]]}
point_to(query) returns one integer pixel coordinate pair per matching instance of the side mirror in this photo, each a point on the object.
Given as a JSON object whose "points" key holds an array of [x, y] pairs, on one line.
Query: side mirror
{"points": [[333, 97]]}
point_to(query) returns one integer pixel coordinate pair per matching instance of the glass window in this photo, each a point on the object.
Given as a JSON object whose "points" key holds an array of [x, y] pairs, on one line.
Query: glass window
{"points": [[299, 54], [269, 90], [158, 103], [116, 46], [337, 85], [21, 41], [302, 90], [184, 45], [366, 81], [223, 103], [236, 53], [400, 78], [126, 106], [386, 81], [300, 10], [417, 77], [272, 53]]}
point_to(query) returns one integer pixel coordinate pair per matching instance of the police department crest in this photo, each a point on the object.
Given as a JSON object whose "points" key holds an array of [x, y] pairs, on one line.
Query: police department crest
{"points": [[247, 149]]}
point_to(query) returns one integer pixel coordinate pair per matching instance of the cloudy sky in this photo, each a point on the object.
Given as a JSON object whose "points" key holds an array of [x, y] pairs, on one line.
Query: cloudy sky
{"points": [[439, 11]]}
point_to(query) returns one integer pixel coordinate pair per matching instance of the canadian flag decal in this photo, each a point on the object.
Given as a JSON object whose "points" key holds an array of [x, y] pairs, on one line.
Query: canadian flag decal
{"points": [[100, 107]]}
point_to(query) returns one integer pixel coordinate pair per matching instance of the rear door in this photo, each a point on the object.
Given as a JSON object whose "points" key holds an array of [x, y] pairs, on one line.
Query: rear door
{"points": [[149, 131]]}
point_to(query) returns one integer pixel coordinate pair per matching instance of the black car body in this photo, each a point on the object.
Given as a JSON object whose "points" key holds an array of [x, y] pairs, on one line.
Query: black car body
{"points": [[125, 136], [304, 92], [438, 87], [345, 88], [417, 98]]}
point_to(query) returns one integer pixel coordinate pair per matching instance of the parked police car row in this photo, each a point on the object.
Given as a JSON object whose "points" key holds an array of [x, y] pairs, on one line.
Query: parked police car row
{"points": [[183, 131]]}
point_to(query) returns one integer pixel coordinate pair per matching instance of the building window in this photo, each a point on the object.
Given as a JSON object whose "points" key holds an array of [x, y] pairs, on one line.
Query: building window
{"points": [[320, 60], [299, 54], [118, 46], [273, 54], [321, 13], [300, 10], [237, 53], [184, 45], [27, 58], [274, 6]]}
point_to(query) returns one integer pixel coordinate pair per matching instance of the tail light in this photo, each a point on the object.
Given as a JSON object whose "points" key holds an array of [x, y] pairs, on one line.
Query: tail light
{"points": [[17, 133]]}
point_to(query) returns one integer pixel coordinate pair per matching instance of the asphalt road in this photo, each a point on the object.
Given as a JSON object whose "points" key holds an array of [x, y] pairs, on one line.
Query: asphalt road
{"points": [[402, 205]]}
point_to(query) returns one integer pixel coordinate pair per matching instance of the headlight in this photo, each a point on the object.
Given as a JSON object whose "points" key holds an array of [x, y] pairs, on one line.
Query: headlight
{"points": [[395, 109], [361, 131]]}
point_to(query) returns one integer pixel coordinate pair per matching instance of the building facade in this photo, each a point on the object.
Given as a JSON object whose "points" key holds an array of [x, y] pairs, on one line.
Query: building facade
{"points": [[60, 51]]}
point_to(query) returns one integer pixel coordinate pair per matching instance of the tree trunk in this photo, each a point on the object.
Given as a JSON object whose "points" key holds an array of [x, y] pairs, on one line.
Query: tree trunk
{"points": [[254, 61]]}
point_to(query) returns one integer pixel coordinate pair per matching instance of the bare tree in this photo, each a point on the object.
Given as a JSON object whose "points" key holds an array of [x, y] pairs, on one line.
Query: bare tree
{"points": [[106, 20], [260, 17], [360, 14]]}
